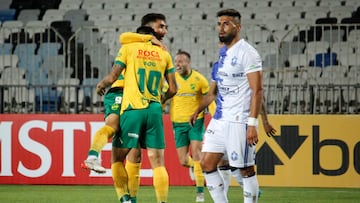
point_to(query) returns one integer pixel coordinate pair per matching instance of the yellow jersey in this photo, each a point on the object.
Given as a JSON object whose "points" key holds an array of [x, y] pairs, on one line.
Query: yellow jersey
{"points": [[188, 97], [145, 67]]}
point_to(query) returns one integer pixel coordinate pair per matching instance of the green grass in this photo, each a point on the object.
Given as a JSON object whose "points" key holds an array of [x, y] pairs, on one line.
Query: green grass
{"points": [[100, 194]]}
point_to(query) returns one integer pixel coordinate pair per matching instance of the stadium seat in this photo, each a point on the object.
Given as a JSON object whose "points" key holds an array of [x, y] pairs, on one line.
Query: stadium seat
{"points": [[298, 60], [350, 59], [291, 12], [5, 4], [323, 60], [11, 26], [276, 24], [27, 15], [25, 49], [332, 36], [11, 75], [8, 60], [52, 15], [90, 5], [48, 49], [6, 48], [281, 3], [305, 3], [266, 13], [7, 14], [35, 26], [256, 3], [315, 47], [70, 4]]}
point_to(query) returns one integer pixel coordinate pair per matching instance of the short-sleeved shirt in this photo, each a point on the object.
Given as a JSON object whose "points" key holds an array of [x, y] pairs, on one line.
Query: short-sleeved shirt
{"points": [[145, 68], [188, 97], [234, 93]]}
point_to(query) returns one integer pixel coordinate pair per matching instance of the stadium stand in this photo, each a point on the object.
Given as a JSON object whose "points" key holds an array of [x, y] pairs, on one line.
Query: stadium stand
{"points": [[310, 49]]}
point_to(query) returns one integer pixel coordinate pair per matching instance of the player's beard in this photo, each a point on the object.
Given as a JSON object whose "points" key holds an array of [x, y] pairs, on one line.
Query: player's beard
{"points": [[227, 39]]}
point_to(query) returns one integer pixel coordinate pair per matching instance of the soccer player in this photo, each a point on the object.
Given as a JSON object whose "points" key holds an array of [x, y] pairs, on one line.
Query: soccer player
{"points": [[156, 21], [145, 66], [112, 102], [227, 171], [237, 86], [192, 85]]}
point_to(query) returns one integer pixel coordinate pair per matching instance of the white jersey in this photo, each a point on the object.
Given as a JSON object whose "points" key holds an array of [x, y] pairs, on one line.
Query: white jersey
{"points": [[234, 93]]}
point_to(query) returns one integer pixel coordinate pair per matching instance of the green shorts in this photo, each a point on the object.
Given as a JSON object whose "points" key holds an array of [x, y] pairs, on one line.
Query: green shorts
{"points": [[184, 133], [141, 128], [112, 101]]}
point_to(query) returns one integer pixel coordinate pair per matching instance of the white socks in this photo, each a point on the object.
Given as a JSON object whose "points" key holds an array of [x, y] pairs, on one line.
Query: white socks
{"points": [[226, 175], [251, 189], [215, 185]]}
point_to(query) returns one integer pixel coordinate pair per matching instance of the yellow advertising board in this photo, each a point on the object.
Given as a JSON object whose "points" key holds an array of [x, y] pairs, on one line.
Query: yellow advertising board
{"points": [[310, 151]]}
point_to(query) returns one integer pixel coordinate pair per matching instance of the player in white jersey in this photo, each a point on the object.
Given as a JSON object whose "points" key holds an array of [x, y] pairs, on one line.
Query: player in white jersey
{"points": [[237, 87]]}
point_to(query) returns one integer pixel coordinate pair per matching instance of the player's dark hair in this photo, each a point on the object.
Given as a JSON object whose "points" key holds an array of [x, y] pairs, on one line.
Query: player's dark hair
{"points": [[184, 53], [145, 30], [229, 12], [152, 17]]}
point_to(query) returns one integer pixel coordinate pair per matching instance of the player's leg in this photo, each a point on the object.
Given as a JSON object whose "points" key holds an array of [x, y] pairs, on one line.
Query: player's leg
{"points": [[182, 142], [155, 143], [133, 165], [131, 123], [213, 149], [119, 174], [225, 171], [244, 159], [196, 136], [101, 137]]}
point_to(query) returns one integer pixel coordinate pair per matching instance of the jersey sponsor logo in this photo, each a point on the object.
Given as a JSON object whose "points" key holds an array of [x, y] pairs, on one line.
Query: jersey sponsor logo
{"points": [[226, 90], [134, 135], [148, 53], [222, 73], [115, 107], [238, 75]]}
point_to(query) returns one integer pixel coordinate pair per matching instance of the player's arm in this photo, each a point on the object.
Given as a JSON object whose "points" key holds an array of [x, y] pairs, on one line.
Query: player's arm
{"points": [[205, 101], [172, 89], [255, 83], [269, 129], [109, 79], [130, 37]]}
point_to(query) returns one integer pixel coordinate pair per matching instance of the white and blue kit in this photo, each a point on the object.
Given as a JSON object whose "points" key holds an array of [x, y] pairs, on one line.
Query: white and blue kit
{"points": [[226, 132]]}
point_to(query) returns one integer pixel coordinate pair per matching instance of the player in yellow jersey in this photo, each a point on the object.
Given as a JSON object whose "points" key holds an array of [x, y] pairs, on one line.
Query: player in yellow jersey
{"points": [[133, 164], [145, 66], [112, 102], [157, 22], [192, 85]]}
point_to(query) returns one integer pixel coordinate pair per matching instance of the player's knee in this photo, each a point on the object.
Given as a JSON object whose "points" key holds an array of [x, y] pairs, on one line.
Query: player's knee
{"points": [[208, 167], [248, 171]]}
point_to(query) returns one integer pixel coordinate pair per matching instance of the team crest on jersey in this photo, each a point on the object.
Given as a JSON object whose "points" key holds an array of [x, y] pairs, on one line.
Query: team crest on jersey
{"points": [[234, 156], [192, 86], [115, 107], [234, 61]]}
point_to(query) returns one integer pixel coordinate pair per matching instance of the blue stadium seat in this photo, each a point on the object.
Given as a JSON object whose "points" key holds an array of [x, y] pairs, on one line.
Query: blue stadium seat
{"points": [[7, 14], [6, 48]]}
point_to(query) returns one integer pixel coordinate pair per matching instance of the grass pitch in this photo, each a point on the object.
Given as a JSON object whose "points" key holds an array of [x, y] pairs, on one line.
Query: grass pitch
{"points": [[177, 194]]}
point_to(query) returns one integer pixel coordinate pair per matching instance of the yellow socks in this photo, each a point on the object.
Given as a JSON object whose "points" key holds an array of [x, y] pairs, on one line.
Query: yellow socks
{"points": [[120, 178], [199, 177], [133, 171], [100, 139], [161, 183], [190, 162]]}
